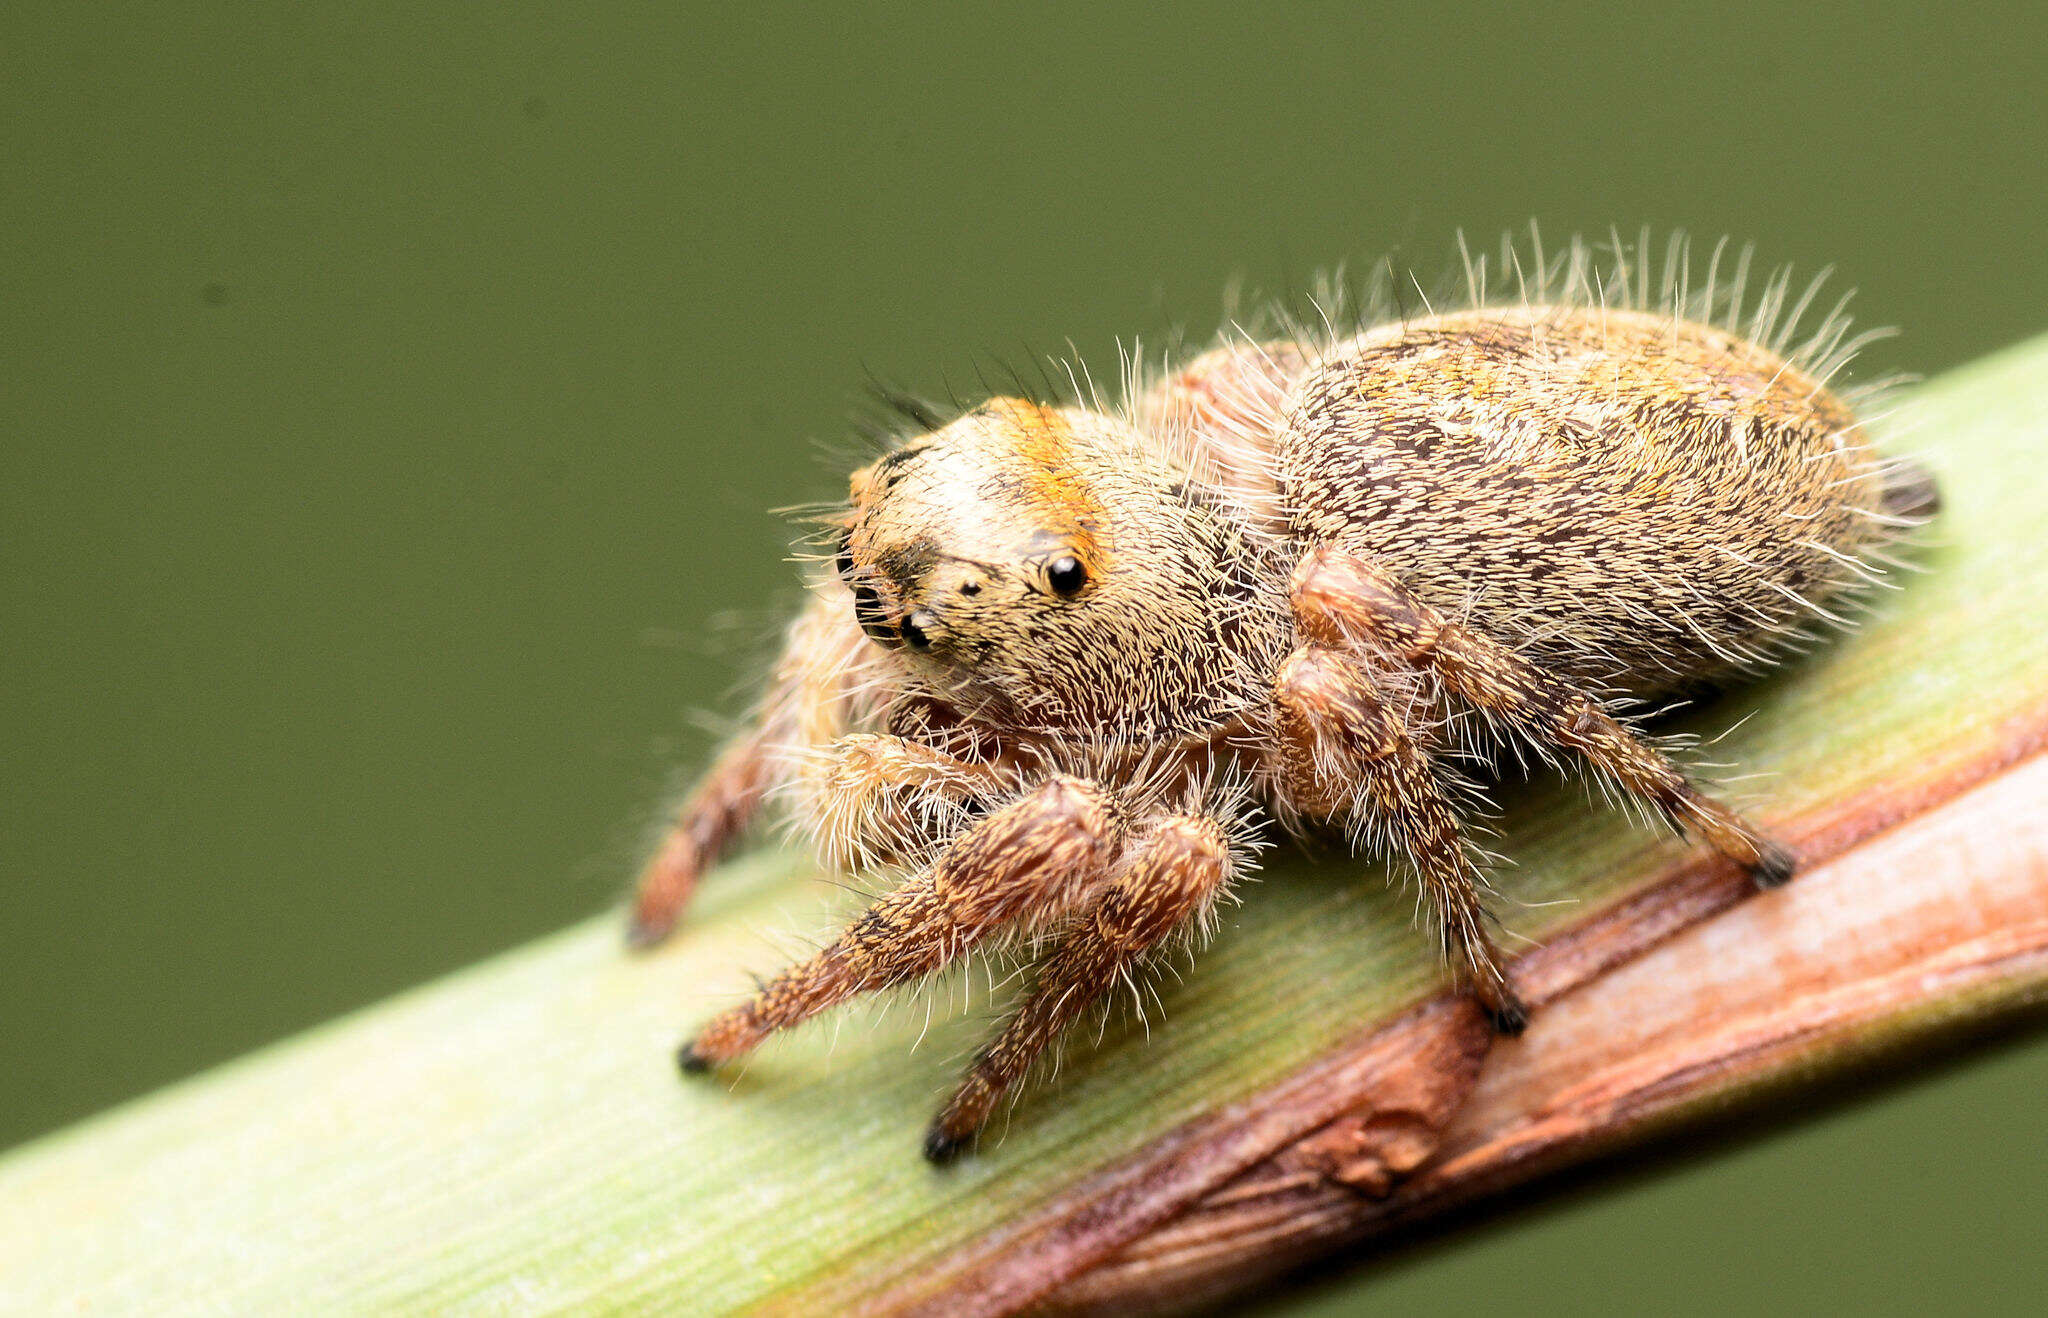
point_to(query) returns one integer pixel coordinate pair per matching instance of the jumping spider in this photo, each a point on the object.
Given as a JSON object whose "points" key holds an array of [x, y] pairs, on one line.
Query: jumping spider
{"points": [[1063, 654]]}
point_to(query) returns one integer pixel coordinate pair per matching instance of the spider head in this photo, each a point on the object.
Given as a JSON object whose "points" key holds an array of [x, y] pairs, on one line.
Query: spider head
{"points": [[1047, 567]]}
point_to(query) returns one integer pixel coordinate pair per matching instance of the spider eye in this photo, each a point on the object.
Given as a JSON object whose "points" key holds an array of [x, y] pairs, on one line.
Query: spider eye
{"points": [[845, 560], [1066, 576]]}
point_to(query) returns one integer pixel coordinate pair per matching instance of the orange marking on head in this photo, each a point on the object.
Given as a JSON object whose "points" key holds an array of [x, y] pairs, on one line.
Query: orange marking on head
{"points": [[1058, 492], [861, 485]]}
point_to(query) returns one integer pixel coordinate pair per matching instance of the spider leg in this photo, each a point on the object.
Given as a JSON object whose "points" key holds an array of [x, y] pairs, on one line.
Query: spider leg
{"points": [[1029, 862], [808, 703], [1340, 598], [719, 808], [1170, 876], [1344, 753]]}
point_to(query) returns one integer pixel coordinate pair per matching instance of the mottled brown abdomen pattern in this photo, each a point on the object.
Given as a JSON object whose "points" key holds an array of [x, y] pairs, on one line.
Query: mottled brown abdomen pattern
{"points": [[1628, 498]]}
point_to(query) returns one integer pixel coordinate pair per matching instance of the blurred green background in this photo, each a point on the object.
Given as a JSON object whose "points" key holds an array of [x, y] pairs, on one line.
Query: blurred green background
{"points": [[393, 397]]}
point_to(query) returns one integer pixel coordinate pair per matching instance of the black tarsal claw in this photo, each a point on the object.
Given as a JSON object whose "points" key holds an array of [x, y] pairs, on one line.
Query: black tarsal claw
{"points": [[1508, 1017], [941, 1149], [691, 1062], [1774, 865]]}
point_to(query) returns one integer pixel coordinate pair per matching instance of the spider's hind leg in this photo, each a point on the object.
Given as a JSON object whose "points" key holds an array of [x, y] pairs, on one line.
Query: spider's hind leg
{"points": [[1342, 599]]}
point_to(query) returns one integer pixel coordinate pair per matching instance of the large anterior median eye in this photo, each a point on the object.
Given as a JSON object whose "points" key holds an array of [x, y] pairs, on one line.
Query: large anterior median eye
{"points": [[1066, 576]]}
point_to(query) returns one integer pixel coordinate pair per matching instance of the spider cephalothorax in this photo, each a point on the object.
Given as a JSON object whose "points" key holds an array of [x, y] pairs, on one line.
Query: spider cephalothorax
{"points": [[1044, 571], [1063, 655]]}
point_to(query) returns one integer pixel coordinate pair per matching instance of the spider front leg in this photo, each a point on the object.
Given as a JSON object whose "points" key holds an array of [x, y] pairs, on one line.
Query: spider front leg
{"points": [[1170, 876], [1027, 863], [1345, 754], [825, 661], [719, 809], [1340, 599]]}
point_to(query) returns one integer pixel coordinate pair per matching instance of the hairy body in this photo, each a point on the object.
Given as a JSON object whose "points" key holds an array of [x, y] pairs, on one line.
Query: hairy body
{"points": [[1632, 500], [1067, 658]]}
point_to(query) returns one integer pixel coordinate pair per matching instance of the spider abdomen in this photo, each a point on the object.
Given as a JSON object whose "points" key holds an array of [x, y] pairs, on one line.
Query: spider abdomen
{"points": [[1632, 499]]}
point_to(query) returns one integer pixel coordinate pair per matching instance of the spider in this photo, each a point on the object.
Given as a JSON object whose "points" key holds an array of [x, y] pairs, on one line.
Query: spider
{"points": [[1065, 659]]}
